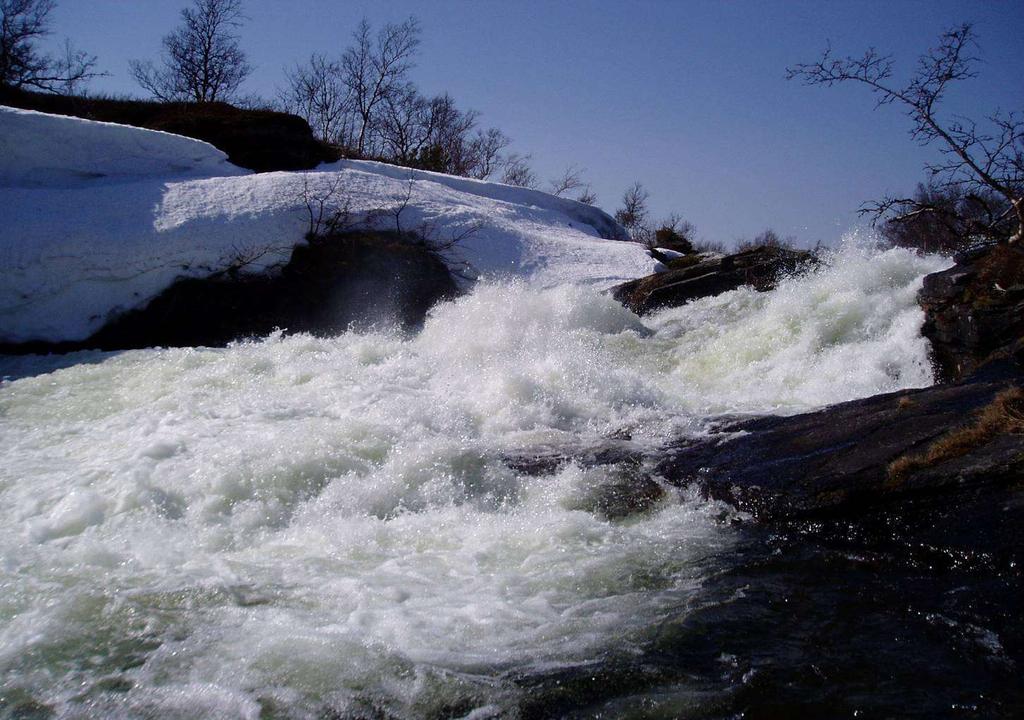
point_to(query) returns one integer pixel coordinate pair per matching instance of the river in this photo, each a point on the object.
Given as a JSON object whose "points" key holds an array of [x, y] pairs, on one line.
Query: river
{"points": [[328, 527]]}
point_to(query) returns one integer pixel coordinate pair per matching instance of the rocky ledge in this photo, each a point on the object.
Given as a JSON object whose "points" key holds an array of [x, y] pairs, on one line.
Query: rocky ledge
{"points": [[947, 461], [937, 470], [261, 140], [701, 275], [975, 310]]}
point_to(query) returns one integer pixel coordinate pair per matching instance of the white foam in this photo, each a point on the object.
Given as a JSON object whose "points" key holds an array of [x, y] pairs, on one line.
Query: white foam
{"points": [[319, 524], [849, 330]]}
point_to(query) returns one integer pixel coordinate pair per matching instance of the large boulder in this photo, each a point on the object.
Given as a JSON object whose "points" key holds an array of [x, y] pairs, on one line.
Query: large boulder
{"points": [[327, 287], [975, 310], [702, 275]]}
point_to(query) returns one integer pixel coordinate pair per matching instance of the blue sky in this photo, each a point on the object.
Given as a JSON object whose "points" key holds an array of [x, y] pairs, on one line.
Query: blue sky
{"points": [[689, 98]]}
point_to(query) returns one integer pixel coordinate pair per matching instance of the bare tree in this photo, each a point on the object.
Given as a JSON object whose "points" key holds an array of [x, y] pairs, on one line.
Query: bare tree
{"points": [[447, 148], [587, 196], [72, 69], [675, 233], [517, 171], [401, 205], [633, 213], [406, 124], [973, 159], [484, 153], [948, 219], [365, 102], [316, 93], [767, 238], [328, 205], [22, 24], [570, 179], [373, 68], [201, 59], [435, 135]]}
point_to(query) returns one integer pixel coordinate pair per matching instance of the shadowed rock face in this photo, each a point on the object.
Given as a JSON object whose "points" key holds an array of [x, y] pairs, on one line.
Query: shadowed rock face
{"points": [[353, 280], [326, 288], [696, 276], [975, 310]]}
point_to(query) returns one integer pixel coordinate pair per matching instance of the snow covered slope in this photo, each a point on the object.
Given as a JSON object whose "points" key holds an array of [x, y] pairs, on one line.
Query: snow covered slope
{"points": [[40, 150], [98, 218]]}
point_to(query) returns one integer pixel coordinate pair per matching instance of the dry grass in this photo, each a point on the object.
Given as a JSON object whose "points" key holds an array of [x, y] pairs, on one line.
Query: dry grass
{"points": [[1002, 416]]}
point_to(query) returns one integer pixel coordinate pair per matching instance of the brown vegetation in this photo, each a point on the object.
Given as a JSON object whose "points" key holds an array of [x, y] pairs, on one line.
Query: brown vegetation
{"points": [[1004, 415]]}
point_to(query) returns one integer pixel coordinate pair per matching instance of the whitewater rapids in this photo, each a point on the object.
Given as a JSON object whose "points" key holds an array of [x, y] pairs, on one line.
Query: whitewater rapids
{"points": [[304, 526]]}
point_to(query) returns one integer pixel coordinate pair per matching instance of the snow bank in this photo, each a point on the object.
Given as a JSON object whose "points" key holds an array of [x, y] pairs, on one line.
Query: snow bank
{"points": [[99, 218], [37, 149]]}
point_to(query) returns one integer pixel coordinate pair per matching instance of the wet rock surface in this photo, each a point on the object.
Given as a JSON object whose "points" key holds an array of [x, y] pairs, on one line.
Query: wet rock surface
{"points": [[836, 474], [836, 470], [547, 459], [975, 310], [620, 483], [695, 276]]}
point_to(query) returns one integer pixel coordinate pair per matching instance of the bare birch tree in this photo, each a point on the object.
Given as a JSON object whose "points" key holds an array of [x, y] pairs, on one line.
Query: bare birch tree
{"points": [[974, 160], [570, 179], [316, 93], [485, 153], [201, 60], [517, 171], [374, 67], [23, 23], [633, 213]]}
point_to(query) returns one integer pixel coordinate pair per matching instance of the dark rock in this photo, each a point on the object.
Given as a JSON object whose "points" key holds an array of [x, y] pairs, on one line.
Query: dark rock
{"points": [[835, 461], [547, 459], [974, 311], [670, 239], [353, 280], [623, 491], [260, 140], [696, 276], [832, 468], [621, 486]]}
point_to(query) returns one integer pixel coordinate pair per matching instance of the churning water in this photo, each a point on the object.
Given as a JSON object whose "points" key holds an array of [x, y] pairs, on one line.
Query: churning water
{"points": [[306, 527]]}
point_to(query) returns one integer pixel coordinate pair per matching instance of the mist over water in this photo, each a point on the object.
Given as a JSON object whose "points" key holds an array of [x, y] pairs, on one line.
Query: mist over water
{"points": [[303, 525]]}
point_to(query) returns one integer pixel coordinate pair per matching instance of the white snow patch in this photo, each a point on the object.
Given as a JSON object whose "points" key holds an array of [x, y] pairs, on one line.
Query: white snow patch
{"points": [[100, 218], [42, 150], [670, 254]]}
